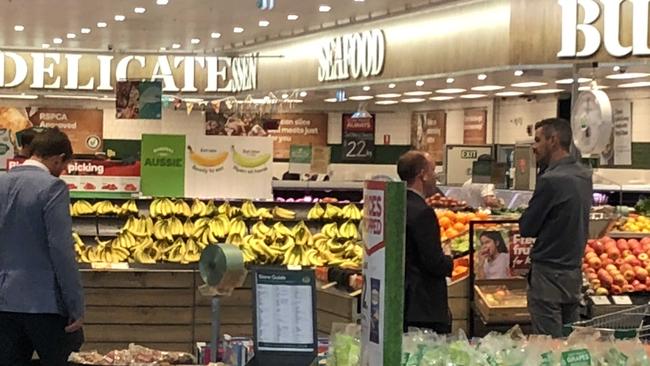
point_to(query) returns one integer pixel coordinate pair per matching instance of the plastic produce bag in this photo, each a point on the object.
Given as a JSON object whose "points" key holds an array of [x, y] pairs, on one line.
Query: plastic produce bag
{"points": [[345, 345]]}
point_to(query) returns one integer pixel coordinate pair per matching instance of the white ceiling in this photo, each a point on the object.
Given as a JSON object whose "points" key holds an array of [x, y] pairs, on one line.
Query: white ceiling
{"points": [[179, 21]]}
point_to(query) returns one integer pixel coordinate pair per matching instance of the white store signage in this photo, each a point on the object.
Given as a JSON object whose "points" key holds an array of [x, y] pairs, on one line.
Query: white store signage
{"points": [[610, 37], [352, 55], [56, 71]]}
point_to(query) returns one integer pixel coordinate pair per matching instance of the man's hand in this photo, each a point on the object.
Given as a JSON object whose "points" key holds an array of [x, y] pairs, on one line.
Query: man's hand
{"points": [[74, 325]]}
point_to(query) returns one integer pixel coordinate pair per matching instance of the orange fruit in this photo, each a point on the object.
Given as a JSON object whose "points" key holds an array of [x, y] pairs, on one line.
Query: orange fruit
{"points": [[459, 227], [483, 215], [451, 233], [471, 216], [451, 215], [444, 222], [461, 217]]}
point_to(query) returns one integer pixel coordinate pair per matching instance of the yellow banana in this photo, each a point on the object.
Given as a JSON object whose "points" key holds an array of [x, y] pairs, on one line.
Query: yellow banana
{"points": [[207, 160], [245, 161]]}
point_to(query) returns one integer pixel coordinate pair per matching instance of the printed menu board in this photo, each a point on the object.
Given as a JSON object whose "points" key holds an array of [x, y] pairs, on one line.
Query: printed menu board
{"points": [[475, 127], [297, 129], [84, 127], [358, 139], [428, 133]]}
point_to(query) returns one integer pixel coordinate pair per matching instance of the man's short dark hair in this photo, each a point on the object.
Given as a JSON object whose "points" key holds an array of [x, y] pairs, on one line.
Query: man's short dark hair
{"points": [[410, 164], [559, 126], [27, 136], [51, 142]]}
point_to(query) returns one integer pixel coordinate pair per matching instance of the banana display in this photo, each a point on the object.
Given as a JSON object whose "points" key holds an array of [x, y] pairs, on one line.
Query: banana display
{"points": [[331, 212], [84, 208]]}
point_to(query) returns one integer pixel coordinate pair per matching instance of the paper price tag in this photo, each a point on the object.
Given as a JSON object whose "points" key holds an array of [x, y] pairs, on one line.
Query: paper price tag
{"points": [[622, 300], [600, 300], [106, 266]]}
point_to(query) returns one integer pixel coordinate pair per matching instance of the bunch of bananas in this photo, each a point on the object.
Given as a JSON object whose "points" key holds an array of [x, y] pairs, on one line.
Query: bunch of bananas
{"points": [[161, 207], [168, 228], [283, 213], [249, 211], [352, 212], [348, 230], [182, 208], [337, 250], [332, 212], [81, 208], [103, 252], [140, 227], [129, 208], [316, 212], [106, 208]]}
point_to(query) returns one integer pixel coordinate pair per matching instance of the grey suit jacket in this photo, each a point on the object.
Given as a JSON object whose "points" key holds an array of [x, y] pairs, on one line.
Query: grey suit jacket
{"points": [[38, 270]]}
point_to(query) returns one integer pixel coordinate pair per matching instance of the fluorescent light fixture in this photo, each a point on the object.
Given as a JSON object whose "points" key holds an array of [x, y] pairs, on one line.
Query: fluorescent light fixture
{"points": [[509, 94], [473, 96], [597, 87], [413, 100], [361, 97], [451, 91], [570, 81], [162, 2], [627, 75], [18, 96], [238, 30], [391, 86], [215, 35], [119, 18], [418, 93], [195, 41], [303, 94], [263, 23], [547, 91], [519, 72], [638, 84], [19, 28], [419, 83], [292, 17], [45, 45], [359, 1], [441, 98], [163, 48], [101, 25], [70, 36], [324, 8], [386, 102], [481, 77], [388, 95], [450, 80], [139, 10], [176, 46], [106, 98], [528, 84], [71, 96], [485, 88], [366, 88], [330, 100], [57, 40], [85, 30]]}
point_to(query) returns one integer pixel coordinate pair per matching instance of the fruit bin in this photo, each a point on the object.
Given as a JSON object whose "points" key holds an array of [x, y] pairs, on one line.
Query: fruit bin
{"points": [[502, 301]]}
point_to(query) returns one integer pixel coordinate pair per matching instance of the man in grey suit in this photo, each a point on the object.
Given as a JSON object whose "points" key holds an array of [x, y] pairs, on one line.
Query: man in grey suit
{"points": [[41, 297]]}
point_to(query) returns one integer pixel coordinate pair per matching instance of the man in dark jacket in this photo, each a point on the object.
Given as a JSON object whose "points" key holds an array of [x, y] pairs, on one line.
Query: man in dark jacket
{"points": [[558, 216], [426, 266]]}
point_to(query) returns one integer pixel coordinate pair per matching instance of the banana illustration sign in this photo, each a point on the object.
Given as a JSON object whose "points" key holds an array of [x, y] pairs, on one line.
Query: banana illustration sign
{"points": [[249, 160], [206, 160]]}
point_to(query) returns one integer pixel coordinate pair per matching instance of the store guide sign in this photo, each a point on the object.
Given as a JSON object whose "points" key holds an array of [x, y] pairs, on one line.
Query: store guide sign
{"points": [[72, 71], [352, 55], [610, 37]]}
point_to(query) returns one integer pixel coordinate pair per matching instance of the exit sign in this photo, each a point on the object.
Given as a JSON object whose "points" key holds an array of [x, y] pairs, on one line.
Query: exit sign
{"points": [[468, 154]]}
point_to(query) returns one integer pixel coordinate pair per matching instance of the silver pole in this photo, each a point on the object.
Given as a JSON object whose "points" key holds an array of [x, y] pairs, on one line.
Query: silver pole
{"points": [[214, 342]]}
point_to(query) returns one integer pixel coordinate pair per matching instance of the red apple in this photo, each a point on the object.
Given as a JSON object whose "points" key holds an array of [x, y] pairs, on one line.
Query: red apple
{"points": [[641, 274], [625, 267], [622, 245], [645, 241], [635, 283], [638, 251], [640, 288], [644, 257], [629, 275], [628, 288], [633, 243], [647, 282], [632, 260], [589, 249], [619, 263], [592, 276], [619, 280], [611, 268], [590, 255], [617, 290], [613, 253], [625, 253], [595, 283], [590, 270], [595, 263]]}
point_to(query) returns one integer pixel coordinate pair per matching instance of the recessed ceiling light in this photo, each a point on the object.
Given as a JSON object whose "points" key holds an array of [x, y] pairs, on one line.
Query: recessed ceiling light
{"points": [[481, 76], [195, 41], [85, 30], [442, 98], [45, 45], [596, 87], [509, 94], [292, 17], [176, 46], [473, 96], [324, 8], [528, 84], [162, 2], [238, 30], [119, 18], [263, 23], [388, 95], [419, 83], [488, 87], [391, 86], [570, 81], [215, 35], [386, 102], [329, 100], [418, 93], [361, 97], [627, 75], [163, 48], [57, 40], [19, 28], [451, 91], [359, 1], [366, 88], [70, 36], [547, 91], [285, 96], [303, 94], [413, 100], [638, 84], [139, 10], [519, 72], [101, 25], [616, 68], [450, 80]]}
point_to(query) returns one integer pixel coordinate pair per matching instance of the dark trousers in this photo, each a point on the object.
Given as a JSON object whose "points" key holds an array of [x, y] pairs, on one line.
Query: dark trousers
{"points": [[22, 334]]}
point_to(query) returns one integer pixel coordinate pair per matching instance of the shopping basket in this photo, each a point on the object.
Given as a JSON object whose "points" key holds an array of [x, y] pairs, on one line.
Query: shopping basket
{"points": [[624, 324]]}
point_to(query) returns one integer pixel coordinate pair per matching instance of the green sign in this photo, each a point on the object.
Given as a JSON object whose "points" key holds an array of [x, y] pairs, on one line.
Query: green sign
{"points": [[300, 154], [163, 165], [578, 357]]}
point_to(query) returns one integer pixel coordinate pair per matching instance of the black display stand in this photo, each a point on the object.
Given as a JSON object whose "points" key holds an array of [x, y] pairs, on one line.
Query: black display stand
{"points": [[272, 279]]}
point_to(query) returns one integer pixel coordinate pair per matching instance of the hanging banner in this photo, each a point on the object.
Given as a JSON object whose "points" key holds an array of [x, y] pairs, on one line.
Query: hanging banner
{"points": [[163, 165], [221, 124], [475, 127], [297, 129], [428, 133], [138, 100], [501, 252], [622, 116], [229, 167], [382, 303], [320, 159], [358, 139], [84, 127]]}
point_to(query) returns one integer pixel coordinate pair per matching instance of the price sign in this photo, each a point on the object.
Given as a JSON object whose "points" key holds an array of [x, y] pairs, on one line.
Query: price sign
{"points": [[358, 139], [622, 300]]}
